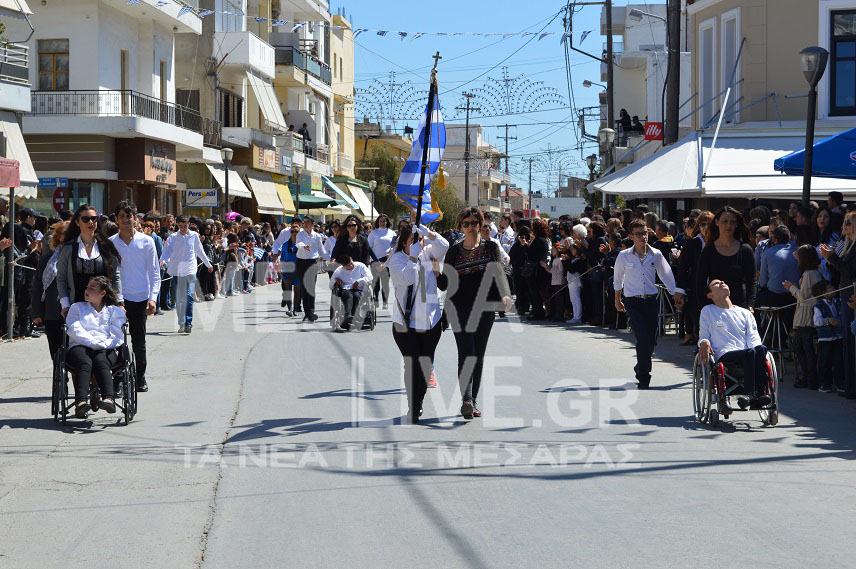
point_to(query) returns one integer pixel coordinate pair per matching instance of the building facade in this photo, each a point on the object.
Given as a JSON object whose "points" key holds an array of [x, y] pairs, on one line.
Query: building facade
{"points": [[487, 179]]}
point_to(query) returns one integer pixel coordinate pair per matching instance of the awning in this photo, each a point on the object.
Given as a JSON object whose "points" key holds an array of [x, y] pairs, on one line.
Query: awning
{"points": [[309, 201], [17, 150], [284, 193], [328, 183], [834, 157], [265, 193], [268, 102], [237, 187], [359, 195], [14, 9], [740, 166]]}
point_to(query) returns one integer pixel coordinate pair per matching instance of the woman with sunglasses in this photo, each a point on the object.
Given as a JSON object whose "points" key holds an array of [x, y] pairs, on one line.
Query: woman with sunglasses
{"points": [[471, 316], [351, 242], [85, 254]]}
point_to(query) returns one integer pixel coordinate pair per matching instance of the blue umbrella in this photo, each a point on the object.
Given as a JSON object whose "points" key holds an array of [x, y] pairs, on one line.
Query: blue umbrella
{"points": [[834, 157]]}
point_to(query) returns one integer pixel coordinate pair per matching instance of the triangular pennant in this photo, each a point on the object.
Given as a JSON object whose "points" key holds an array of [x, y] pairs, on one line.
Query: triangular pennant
{"points": [[184, 10], [403, 35], [382, 32], [584, 36]]}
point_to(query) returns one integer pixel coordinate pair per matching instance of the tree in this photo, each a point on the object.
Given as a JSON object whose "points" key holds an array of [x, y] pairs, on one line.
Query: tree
{"points": [[386, 176]]}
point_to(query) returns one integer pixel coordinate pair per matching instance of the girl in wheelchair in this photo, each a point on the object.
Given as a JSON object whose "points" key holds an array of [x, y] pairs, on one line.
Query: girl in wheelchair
{"points": [[94, 329], [730, 334]]}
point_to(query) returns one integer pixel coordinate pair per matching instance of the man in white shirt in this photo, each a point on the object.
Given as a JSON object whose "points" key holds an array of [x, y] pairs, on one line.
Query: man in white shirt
{"points": [[140, 274], [310, 248], [180, 254], [352, 279], [506, 233], [636, 270], [730, 334]]}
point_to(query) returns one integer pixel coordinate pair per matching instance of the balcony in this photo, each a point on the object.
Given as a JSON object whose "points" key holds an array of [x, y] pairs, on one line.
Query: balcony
{"points": [[212, 133], [244, 136], [14, 63], [293, 57], [168, 14], [246, 51], [119, 114], [344, 162]]}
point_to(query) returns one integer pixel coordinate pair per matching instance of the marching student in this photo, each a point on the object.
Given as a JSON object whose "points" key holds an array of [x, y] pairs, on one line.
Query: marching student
{"points": [[310, 248], [180, 254]]}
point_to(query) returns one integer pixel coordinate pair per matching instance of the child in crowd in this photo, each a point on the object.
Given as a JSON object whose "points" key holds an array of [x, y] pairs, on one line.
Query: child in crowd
{"points": [[575, 267], [232, 257], [830, 342], [804, 334]]}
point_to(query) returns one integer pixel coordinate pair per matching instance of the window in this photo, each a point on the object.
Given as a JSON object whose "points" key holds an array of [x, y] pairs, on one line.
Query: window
{"points": [[730, 50], [230, 109], [188, 98], [163, 80], [53, 65], [707, 70], [843, 64], [230, 18], [340, 68]]}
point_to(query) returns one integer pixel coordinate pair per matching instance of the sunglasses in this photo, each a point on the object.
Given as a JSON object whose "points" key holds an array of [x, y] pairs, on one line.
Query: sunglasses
{"points": [[89, 218], [468, 224], [351, 225]]}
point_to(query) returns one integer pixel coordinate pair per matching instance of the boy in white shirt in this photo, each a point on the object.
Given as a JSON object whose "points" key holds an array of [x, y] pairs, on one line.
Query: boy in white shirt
{"points": [[352, 278], [730, 333]]}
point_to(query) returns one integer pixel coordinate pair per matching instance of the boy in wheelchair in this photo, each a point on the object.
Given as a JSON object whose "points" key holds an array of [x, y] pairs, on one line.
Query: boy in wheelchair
{"points": [[94, 329], [730, 334], [349, 281]]}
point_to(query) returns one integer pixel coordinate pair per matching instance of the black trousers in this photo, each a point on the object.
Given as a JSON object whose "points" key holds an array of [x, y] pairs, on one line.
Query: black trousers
{"points": [[307, 273], [54, 331], [830, 363], [802, 339], [754, 364], [417, 347], [642, 313], [136, 312], [351, 301], [472, 346], [521, 290], [538, 284], [85, 362], [290, 290]]}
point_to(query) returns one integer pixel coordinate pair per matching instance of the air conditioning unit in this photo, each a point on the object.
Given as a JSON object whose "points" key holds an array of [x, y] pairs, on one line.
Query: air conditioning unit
{"points": [[313, 108]]}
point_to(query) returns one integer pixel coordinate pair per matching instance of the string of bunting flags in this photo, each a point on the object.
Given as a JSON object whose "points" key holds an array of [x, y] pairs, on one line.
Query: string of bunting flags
{"points": [[295, 26]]}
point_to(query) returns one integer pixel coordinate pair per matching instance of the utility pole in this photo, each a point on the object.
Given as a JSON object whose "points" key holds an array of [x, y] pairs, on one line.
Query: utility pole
{"points": [[610, 81], [531, 160], [673, 85], [507, 138], [468, 108]]}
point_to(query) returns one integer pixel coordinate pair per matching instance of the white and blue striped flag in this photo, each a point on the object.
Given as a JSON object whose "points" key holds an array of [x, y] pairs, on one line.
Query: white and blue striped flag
{"points": [[408, 189]]}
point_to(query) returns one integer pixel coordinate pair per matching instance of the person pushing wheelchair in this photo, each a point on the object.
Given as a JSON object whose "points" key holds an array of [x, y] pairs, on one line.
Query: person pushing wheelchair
{"points": [[730, 334]]}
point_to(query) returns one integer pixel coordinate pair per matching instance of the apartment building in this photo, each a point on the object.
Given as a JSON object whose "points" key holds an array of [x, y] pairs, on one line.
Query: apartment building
{"points": [[486, 174], [15, 88], [103, 123]]}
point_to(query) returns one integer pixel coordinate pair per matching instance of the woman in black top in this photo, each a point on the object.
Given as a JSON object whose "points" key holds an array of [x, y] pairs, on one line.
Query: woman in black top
{"points": [[351, 242], [842, 261], [517, 256], [471, 316], [536, 270], [728, 257], [686, 274]]}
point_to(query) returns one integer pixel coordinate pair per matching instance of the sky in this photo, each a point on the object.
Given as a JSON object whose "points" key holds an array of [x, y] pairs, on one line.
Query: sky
{"points": [[476, 64]]}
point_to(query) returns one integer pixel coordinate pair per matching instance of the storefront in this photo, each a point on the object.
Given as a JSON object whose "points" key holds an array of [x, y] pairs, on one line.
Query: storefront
{"points": [[147, 174]]}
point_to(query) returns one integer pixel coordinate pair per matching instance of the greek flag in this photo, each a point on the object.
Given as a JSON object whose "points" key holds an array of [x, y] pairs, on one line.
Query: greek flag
{"points": [[408, 189]]}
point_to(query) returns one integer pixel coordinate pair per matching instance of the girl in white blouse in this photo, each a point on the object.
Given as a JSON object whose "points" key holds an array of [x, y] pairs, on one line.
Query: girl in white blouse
{"points": [[416, 309], [94, 329]]}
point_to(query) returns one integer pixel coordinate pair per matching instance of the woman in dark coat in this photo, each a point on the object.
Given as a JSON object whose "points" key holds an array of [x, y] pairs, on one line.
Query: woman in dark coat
{"points": [[686, 272], [536, 270], [44, 301], [351, 242], [727, 256]]}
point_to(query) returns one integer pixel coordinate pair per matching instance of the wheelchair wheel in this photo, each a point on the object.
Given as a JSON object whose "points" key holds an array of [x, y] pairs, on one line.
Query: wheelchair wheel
{"points": [[770, 416], [59, 391], [703, 393]]}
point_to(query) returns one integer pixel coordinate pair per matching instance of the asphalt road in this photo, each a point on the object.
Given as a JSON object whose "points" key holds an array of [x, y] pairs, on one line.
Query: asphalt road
{"points": [[266, 443]]}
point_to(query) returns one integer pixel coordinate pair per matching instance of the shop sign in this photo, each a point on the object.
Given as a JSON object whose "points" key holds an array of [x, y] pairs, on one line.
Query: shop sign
{"points": [[287, 162], [53, 183], [146, 160], [653, 130], [160, 166], [201, 198], [265, 159]]}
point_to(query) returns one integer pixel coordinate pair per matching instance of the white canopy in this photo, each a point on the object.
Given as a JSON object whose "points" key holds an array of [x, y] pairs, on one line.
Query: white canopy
{"points": [[739, 166], [265, 193], [17, 150], [14, 8], [237, 187], [268, 102]]}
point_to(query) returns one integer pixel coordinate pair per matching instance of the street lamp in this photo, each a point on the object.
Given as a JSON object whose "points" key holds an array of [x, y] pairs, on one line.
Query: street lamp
{"points": [[637, 15], [587, 84], [591, 162], [226, 154], [814, 61], [606, 137], [372, 188]]}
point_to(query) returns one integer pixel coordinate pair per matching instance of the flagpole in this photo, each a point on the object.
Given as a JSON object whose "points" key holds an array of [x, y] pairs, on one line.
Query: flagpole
{"points": [[426, 140]]}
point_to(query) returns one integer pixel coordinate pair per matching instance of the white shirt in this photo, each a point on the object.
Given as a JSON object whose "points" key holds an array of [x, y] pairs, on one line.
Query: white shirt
{"points": [[403, 272], [359, 274], [636, 276], [86, 326], [506, 238], [728, 329], [283, 236], [493, 230], [139, 267], [380, 241], [180, 253], [81, 251], [329, 243], [315, 242], [503, 254]]}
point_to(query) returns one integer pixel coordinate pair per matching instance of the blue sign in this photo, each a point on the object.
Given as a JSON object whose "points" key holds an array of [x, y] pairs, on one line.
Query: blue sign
{"points": [[53, 183]]}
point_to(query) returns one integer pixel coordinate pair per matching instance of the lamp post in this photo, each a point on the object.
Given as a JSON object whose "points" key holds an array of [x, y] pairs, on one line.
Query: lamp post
{"points": [[591, 162], [226, 154], [814, 61], [372, 189], [587, 84], [606, 137]]}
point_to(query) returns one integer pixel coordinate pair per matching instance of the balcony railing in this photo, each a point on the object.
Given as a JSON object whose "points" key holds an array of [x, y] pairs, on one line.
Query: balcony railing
{"points": [[345, 162], [115, 103], [14, 62], [322, 153], [291, 141], [212, 133], [304, 61]]}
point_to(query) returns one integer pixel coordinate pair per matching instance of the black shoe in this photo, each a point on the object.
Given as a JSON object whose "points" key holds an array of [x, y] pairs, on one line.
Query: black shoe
{"points": [[282, 304], [187, 329], [108, 404], [142, 386], [800, 384], [743, 402], [467, 410], [761, 402], [81, 408], [643, 385], [313, 317]]}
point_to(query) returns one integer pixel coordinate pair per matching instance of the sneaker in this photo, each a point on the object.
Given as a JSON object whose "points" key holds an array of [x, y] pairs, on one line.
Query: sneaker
{"points": [[467, 410], [187, 329], [221, 295], [81, 408], [574, 321], [432, 380], [825, 388], [108, 404], [180, 330], [289, 313], [385, 306], [209, 297], [142, 386]]}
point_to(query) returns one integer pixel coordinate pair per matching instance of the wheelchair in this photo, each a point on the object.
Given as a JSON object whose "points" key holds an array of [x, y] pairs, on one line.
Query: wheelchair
{"points": [[714, 386], [124, 375], [365, 317]]}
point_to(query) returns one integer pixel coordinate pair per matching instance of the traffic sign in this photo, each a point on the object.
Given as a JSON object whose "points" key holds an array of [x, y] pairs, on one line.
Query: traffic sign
{"points": [[59, 199]]}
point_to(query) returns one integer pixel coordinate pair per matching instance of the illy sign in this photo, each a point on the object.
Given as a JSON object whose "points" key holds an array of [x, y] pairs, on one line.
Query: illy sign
{"points": [[653, 130]]}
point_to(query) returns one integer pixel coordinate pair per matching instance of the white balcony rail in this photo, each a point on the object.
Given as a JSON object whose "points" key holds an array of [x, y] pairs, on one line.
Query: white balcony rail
{"points": [[345, 162], [14, 62]]}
